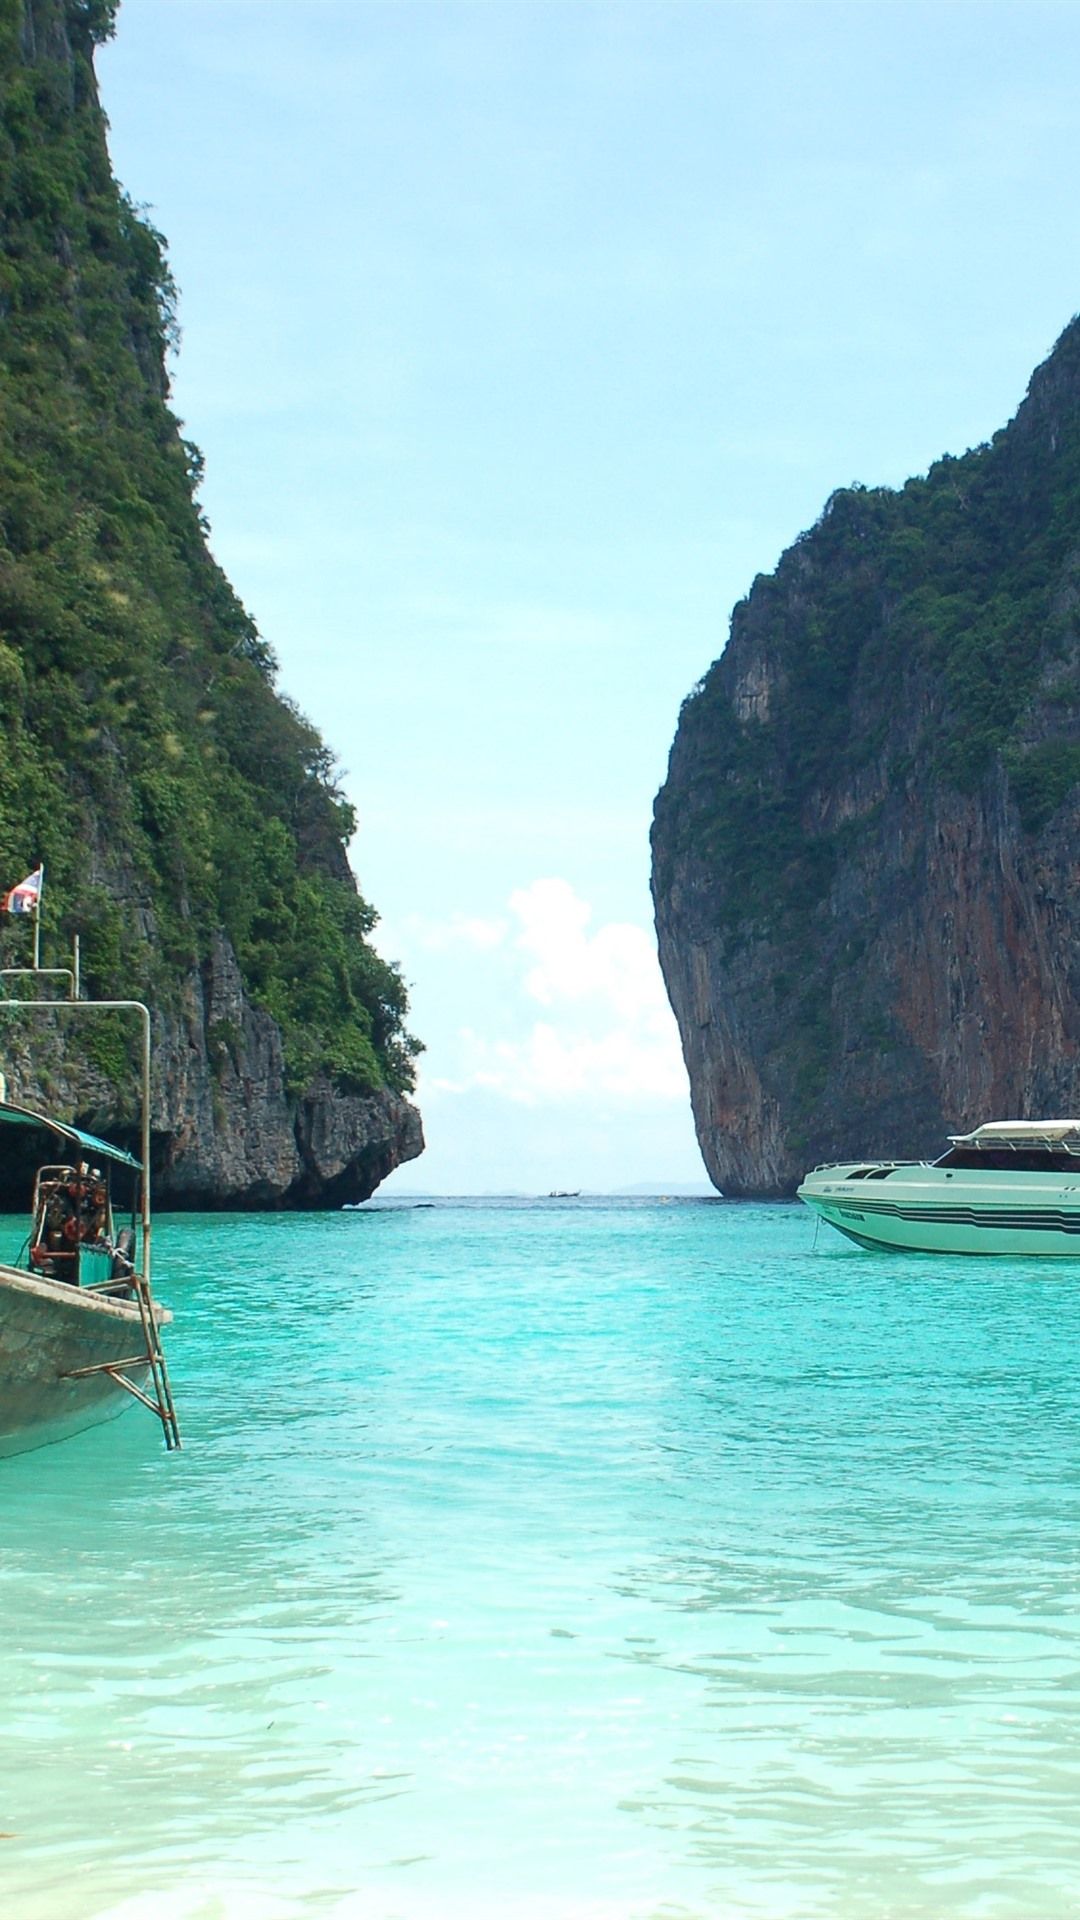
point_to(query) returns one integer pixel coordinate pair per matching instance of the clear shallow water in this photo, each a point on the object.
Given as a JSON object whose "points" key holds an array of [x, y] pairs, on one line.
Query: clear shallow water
{"points": [[575, 1561]]}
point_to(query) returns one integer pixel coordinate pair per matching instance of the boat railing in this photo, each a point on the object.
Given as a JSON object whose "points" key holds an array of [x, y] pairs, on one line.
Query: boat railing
{"points": [[832, 1166], [44, 973]]}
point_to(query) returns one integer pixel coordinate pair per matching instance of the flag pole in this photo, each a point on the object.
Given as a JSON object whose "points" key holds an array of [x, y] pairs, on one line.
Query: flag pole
{"points": [[37, 918]]}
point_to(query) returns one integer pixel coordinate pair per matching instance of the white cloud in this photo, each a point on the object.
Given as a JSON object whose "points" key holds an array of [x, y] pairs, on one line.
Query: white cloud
{"points": [[471, 931], [608, 1030], [551, 1066], [464, 930], [616, 965]]}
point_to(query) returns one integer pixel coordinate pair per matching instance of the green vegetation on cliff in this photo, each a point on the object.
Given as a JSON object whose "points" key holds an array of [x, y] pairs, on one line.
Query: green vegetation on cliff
{"points": [[944, 616], [147, 758]]}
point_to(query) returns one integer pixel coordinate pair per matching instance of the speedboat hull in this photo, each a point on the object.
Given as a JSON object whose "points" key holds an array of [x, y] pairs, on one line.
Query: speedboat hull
{"points": [[928, 1209], [55, 1342]]}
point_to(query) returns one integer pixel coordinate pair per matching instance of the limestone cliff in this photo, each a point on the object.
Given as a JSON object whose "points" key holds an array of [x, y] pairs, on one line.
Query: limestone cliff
{"points": [[227, 1132], [189, 818], [864, 857]]}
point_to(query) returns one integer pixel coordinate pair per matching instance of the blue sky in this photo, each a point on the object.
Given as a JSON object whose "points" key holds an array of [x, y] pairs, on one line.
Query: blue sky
{"points": [[519, 338]]}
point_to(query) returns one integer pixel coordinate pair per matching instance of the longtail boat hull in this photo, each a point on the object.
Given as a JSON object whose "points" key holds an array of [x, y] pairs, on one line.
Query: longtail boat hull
{"points": [[50, 1334]]}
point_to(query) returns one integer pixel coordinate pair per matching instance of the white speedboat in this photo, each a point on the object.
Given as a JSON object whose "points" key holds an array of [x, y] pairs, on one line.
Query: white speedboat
{"points": [[1011, 1187]]}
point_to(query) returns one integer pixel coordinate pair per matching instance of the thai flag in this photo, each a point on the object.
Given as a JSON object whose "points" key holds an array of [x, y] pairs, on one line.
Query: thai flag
{"points": [[26, 897]]}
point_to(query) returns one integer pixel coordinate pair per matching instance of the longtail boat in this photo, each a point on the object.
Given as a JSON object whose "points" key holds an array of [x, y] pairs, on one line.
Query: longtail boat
{"points": [[80, 1330]]}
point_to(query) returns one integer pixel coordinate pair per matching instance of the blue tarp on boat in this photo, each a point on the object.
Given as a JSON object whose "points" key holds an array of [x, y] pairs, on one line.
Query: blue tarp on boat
{"points": [[94, 1148]]}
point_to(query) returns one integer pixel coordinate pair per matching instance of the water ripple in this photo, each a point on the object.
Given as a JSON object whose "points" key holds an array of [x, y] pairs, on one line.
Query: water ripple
{"points": [[576, 1563]]}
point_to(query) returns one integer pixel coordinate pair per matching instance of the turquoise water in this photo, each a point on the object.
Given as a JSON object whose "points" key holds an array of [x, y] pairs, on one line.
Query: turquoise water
{"points": [[573, 1561]]}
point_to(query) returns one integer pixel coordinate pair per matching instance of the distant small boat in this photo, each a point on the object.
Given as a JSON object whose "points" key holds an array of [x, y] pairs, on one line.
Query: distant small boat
{"points": [[1010, 1187], [79, 1329], [566, 1195]]}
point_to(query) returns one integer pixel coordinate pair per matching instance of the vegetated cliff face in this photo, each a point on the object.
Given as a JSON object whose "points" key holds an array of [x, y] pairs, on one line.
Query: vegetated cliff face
{"points": [[188, 817], [865, 865]]}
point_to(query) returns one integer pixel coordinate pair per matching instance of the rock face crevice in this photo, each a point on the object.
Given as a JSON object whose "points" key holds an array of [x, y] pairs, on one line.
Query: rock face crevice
{"points": [[865, 866]]}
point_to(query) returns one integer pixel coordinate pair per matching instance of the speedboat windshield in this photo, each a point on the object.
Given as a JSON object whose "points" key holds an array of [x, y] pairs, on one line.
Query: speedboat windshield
{"points": [[1046, 1159]]}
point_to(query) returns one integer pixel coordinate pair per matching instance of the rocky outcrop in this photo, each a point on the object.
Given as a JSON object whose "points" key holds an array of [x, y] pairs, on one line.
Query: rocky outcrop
{"points": [[864, 857], [226, 1131]]}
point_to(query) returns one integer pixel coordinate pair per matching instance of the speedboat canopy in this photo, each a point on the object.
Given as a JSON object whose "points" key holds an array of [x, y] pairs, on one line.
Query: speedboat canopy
{"points": [[1062, 1134]]}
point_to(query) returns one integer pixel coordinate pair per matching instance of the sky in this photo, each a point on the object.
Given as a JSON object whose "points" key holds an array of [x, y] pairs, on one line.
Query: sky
{"points": [[519, 336]]}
